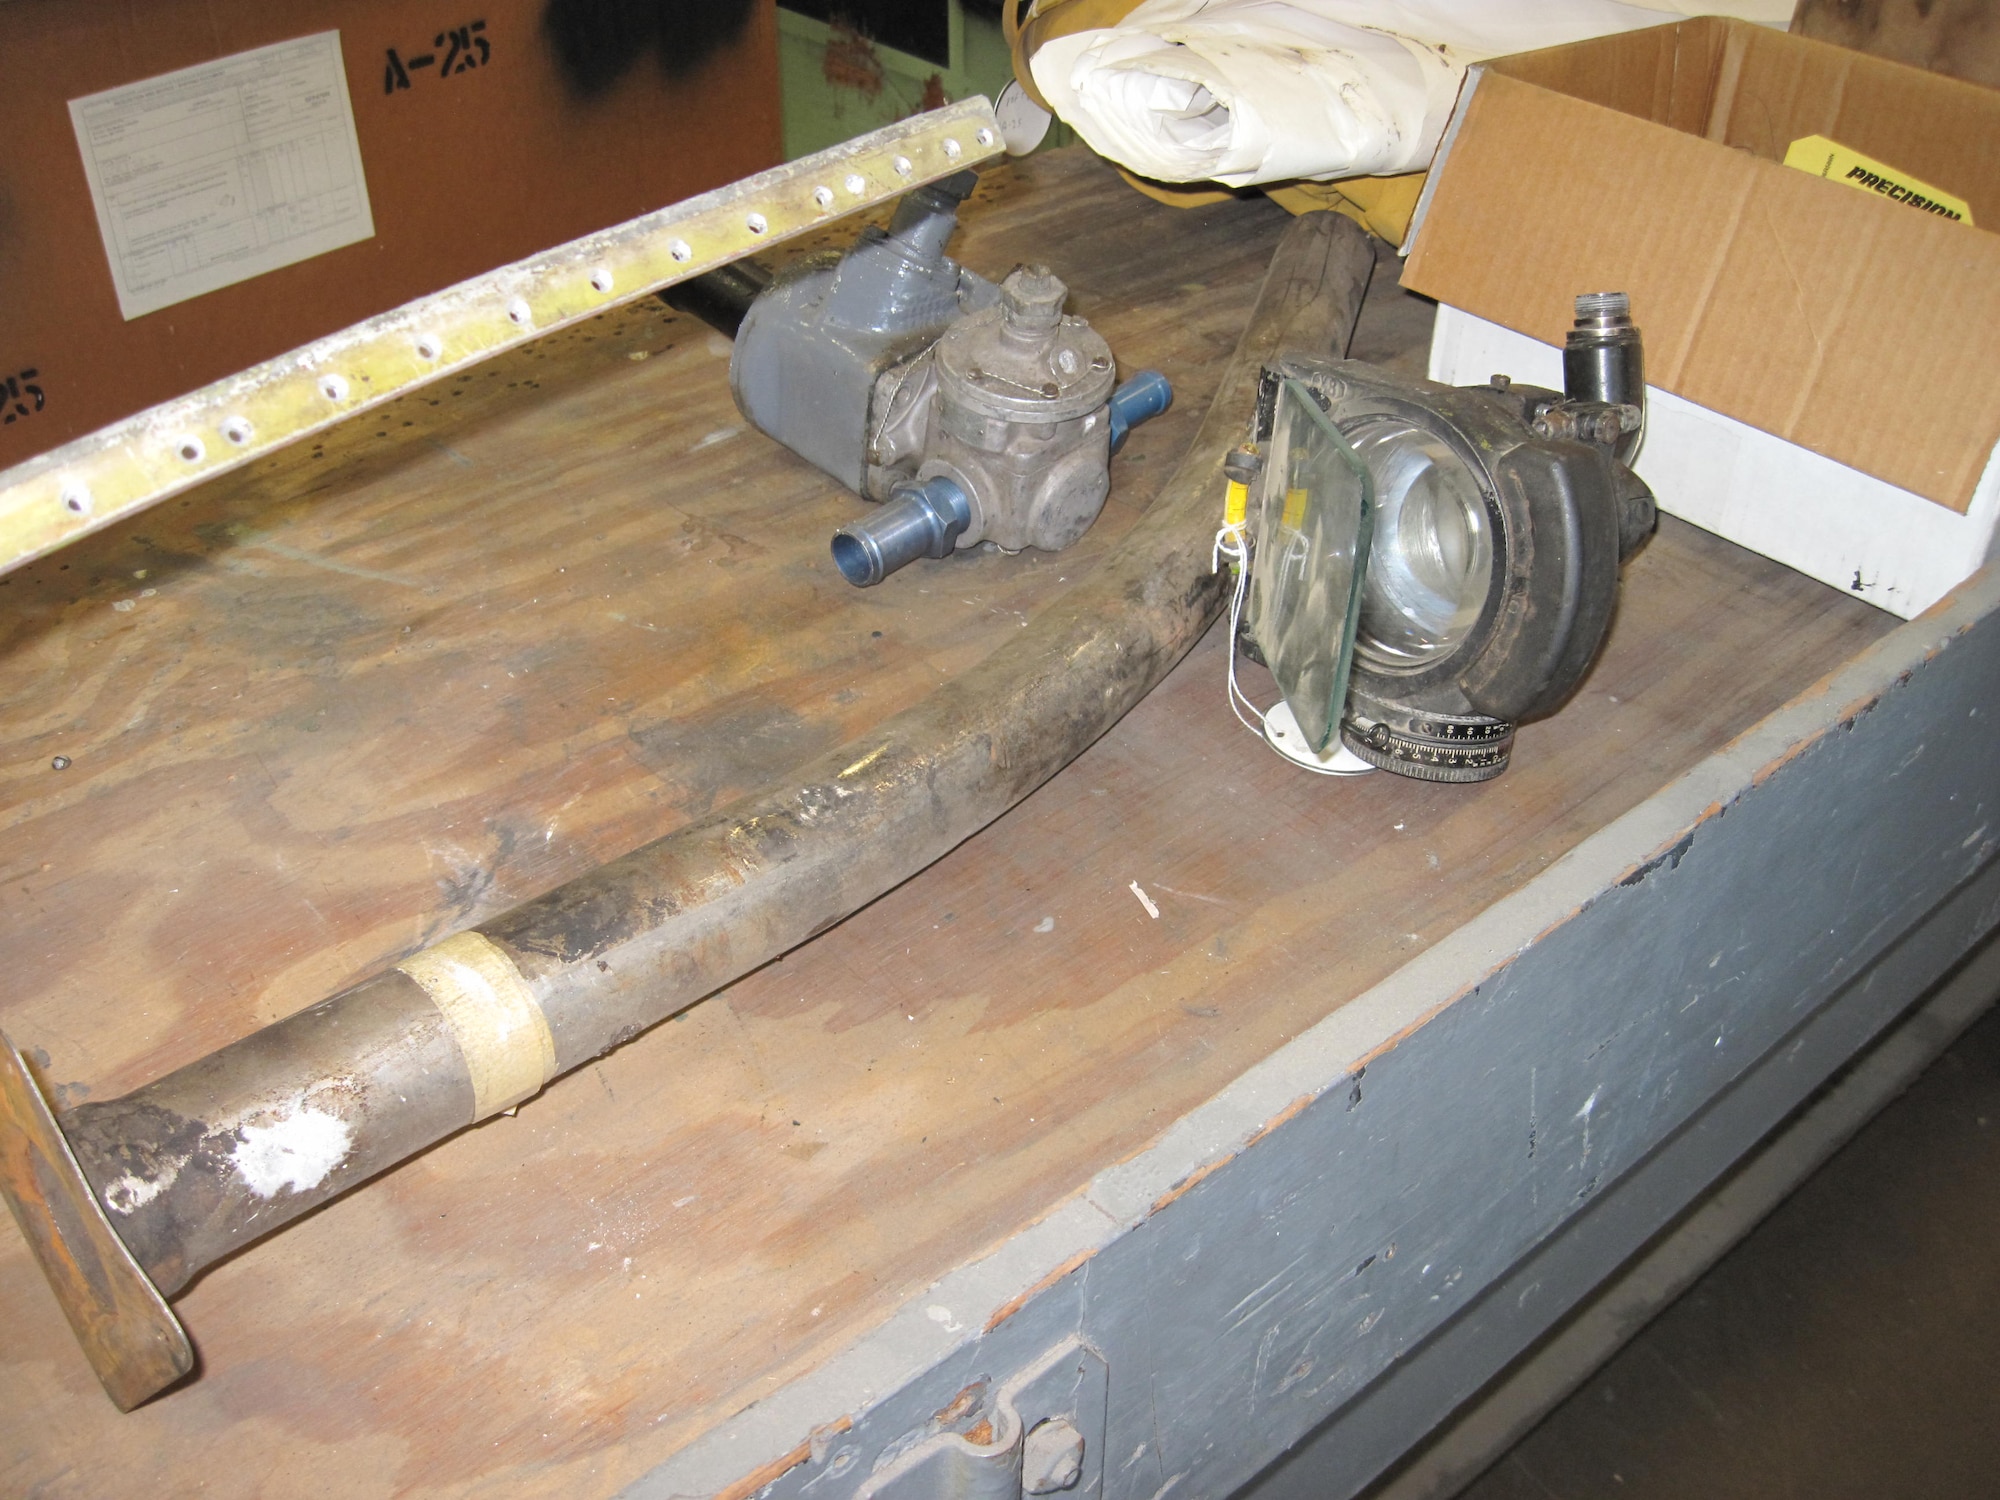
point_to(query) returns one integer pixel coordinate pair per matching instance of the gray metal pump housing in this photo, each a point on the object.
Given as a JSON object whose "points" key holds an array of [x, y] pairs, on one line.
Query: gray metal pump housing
{"points": [[977, 413]]}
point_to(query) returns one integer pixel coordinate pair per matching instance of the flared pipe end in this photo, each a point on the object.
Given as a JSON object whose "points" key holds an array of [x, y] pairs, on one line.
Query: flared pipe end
{"points": [[127, 1332]]}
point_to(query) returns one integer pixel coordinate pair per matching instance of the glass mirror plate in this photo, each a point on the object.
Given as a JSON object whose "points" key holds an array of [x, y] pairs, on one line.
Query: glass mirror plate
{"points": [[1311, 529]]}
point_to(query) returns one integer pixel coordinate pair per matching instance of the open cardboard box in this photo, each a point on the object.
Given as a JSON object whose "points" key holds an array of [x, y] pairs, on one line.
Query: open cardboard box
{"points": [[1823, 363]]}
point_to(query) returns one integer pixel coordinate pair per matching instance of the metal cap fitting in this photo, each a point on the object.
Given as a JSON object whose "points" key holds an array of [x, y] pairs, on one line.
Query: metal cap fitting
{"points": [[1031, 300], [1604, 310]]}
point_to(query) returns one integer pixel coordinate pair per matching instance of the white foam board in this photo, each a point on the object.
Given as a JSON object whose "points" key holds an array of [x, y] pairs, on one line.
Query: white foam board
{"points": [[1893, 548]]}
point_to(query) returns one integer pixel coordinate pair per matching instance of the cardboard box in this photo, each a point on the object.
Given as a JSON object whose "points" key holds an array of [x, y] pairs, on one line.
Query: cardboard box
{"points": [[1824, 362], [475, 150]]}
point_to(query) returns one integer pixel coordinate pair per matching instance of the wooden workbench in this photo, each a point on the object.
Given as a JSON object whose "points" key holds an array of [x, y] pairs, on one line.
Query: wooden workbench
{"points": [[314, 716]]}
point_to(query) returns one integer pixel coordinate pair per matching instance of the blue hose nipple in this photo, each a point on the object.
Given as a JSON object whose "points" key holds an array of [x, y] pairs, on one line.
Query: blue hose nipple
{"points": [[1139, 399], [917, 520]]}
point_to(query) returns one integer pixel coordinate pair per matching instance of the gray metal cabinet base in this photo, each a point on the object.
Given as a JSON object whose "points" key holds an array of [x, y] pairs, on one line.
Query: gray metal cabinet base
{"points": [[1360, 1231]]}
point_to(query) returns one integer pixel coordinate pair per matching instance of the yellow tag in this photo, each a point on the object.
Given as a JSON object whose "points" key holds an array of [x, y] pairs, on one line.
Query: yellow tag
{"points": [[1836, 163], [1295, 510], [1235, 503]]}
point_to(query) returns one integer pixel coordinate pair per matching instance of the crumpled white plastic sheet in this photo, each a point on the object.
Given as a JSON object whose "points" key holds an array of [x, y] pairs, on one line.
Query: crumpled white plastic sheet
{"points": [[1250, 91]]}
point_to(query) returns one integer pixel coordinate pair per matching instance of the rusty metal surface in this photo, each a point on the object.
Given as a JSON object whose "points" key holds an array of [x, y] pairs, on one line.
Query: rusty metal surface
{"points": [[239, 1143], [131, 1338], [221, 1152]]}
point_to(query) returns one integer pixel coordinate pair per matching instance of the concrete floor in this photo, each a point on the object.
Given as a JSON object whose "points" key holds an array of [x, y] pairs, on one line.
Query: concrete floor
{"points": [[1848, 1347]]}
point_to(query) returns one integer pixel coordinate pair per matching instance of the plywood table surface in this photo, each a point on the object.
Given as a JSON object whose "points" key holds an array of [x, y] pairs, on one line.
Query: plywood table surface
{"points": [[318, 715]]}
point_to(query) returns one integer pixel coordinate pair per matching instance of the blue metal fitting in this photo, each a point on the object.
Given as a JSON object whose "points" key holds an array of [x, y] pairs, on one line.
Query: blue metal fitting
{"points": [[917, 520], [1139, 399]]}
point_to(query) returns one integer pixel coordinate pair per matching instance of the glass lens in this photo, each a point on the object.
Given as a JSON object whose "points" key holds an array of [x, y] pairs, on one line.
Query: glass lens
{"points": [[1311, 529], [1432, 559]]}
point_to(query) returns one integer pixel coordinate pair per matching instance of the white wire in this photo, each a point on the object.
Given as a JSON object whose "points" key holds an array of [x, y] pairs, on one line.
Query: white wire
{"points": [[1232, 546]]}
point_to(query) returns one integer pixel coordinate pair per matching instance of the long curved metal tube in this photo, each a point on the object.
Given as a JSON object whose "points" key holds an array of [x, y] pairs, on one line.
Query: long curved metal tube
{"points": [[196, 1164]]}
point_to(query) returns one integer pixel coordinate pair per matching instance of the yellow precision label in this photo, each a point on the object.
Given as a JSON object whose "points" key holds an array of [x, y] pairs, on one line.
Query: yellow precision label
{"points": [[493, 1015], [1836, 163]]}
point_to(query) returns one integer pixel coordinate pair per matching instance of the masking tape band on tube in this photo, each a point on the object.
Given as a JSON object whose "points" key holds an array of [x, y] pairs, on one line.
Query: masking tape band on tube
{"points": [[493, 1015]]}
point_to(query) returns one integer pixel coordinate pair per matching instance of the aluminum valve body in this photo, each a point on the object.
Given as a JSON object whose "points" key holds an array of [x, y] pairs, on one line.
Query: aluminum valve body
{"points": [[1022, 425]]}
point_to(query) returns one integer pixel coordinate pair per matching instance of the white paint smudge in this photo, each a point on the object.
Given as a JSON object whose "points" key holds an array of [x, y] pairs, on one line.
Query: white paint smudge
{"points": [[943, 1318], [129, 1194], [1152, 910], [1584, 1114], [1047, 924], [296, 1153], [720, 435]]}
